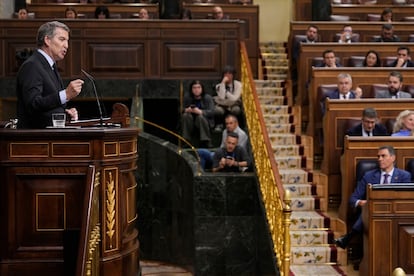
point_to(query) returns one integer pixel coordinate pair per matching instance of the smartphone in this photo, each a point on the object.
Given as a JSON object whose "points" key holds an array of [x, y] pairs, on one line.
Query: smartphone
{"points": [[192, 106]]}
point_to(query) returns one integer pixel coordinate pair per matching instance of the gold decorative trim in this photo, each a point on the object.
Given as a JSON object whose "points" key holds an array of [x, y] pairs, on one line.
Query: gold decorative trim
{"points": [[111, 207], [37, 212], [127, 202], [94, 239]]}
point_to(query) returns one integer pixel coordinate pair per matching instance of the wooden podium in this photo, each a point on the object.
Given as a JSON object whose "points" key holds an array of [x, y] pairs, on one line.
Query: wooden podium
{"points": [[42, 188], [388, 229]]}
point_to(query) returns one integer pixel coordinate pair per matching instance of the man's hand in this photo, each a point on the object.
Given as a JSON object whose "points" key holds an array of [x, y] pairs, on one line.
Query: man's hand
{"points": [[362, 202], [400, 62], [73, 113], [74, 88], [358, 92]]}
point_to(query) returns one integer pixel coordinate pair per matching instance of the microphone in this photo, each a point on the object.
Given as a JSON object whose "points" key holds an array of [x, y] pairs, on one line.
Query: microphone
{"points": [[89, 76]]}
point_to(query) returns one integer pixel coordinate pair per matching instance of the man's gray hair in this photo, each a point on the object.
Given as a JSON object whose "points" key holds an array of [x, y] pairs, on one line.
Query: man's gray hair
{"points": [[48, 29], [344, 76]]}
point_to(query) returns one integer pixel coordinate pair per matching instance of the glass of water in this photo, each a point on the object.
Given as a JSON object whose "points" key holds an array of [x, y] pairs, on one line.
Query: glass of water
{"points": [[58, 119]]}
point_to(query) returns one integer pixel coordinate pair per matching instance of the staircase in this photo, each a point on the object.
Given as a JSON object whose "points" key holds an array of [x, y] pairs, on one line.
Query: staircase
{"points": [[312, 249]]}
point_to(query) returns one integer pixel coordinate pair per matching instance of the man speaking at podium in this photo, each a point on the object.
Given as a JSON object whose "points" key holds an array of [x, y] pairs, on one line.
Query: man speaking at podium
{"points": [[40, 91]]}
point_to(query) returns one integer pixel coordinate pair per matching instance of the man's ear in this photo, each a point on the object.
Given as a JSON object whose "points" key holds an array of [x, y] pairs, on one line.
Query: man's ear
{"points": [[47, 41]]}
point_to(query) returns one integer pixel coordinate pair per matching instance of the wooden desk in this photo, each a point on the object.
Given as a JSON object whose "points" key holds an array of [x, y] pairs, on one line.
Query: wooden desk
{"points": [[303, 8], [359, 12], [338, 112], [388, 230], [328, 30], [249, 14], [362, 148], [360, 76], [308, 51], [55, 10], [43, 175], [133, 49]]}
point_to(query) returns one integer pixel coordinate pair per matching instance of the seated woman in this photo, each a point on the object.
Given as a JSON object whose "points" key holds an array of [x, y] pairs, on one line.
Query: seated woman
{"points": [[22, 14], [197, 115], [372, 59], [101, 12], [228, 99], [386, 15], [71, 13], [404, 124]]}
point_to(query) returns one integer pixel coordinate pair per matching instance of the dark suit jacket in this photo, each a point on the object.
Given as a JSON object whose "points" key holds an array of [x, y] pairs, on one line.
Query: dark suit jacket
{"points": [[333, 95], [37, 89], [380, 39], [374, 177], [379, 130], [409, 63], [323, 64]]}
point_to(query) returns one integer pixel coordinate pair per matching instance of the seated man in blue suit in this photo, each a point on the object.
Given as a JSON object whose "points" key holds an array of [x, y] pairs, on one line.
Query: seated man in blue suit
{"points": [[344, 90], [386, 173], [368, 125]]}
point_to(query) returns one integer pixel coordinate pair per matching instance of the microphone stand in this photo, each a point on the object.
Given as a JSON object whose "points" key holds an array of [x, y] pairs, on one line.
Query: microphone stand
{"points": [[96, 96]]}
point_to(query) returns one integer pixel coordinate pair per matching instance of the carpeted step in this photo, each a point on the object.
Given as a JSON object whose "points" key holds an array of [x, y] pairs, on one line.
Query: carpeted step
{"points": [[311, 237], [310, 234], [315, 270], [272, 108], [272, 100], [270, 70], [284, 151], [297, 190], [288, 162], [293, 176], [279, 129], [277, 119], [304, 203], [309, 220], [275, 76], [274, 55], [313, 254], [282, 139], [274, 60], [268, 83], [271, 92]]}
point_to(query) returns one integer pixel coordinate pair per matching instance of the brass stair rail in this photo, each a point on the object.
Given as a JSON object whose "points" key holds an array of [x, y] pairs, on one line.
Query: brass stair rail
{"points": [[278, 211], [179, 137]]}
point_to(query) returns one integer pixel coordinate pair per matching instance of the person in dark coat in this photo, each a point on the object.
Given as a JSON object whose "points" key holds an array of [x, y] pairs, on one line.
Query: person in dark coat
{"points": [[368, 126]]}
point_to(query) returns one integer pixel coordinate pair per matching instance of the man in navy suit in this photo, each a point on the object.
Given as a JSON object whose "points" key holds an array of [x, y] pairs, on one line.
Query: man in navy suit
{"points": [[40, 91], [368, 125], [344, 90], [403, 58], [386, 173], [329, 59]]}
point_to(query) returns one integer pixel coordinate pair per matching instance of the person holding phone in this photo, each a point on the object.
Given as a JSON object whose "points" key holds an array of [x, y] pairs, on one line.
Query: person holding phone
{"points": [[197, 116], [232, 157]]}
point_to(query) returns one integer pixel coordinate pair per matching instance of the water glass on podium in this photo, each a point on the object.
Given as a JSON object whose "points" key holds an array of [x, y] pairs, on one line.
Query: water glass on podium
{"points": [[58, 119]]}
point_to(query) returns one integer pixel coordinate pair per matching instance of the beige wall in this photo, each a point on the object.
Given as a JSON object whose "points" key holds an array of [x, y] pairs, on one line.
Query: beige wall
{"points": [[274, 19]]}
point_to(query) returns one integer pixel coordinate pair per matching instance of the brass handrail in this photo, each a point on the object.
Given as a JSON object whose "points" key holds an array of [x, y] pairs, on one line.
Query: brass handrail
{"points": [[179, 137], [278, 212]]}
